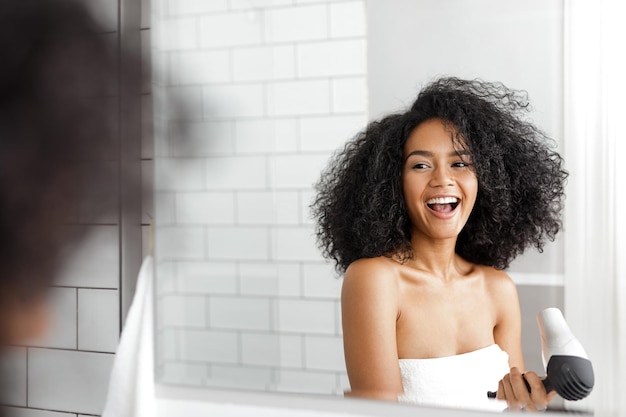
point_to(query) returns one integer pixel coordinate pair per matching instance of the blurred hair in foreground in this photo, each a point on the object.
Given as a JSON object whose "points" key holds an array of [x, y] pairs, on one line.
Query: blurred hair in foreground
{"points": [[58, 77]]}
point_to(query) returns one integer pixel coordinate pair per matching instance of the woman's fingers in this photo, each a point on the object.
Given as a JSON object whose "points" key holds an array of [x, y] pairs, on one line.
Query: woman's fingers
{"points": [[538, 394], [521, 396]]}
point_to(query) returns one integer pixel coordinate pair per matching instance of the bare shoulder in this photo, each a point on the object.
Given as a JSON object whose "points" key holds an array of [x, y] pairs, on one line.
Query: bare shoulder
{"points": [[371, 277], [498, 282]]}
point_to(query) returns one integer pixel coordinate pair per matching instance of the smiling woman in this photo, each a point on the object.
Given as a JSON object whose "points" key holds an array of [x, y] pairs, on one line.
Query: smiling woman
{"points": [[422, 211]]}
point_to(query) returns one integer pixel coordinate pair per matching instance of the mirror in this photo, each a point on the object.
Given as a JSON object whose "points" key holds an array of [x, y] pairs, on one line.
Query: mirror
{"points": [[270, 89]]}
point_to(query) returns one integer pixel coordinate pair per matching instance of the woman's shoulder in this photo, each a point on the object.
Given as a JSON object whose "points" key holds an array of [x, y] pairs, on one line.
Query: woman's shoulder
{"points": [[497, 281], [372, 274]]}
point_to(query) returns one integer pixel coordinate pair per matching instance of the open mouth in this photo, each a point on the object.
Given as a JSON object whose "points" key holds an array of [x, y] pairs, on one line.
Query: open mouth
{"points": [[443, 204]]}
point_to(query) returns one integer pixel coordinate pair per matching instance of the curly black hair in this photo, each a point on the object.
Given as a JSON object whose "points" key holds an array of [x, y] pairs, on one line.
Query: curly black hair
{"points": [[360, 208]]}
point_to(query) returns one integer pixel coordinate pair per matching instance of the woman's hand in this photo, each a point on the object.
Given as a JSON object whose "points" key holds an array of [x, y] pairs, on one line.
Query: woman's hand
{"points": [[513, 389]]}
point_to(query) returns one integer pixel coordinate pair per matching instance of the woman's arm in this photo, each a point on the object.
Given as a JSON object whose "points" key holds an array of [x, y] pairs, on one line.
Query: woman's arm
{"points": [[521, 390], [369, 306]]}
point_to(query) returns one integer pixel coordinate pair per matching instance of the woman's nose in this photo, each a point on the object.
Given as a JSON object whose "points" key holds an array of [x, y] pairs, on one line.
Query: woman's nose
{"points": [[442, 177]]}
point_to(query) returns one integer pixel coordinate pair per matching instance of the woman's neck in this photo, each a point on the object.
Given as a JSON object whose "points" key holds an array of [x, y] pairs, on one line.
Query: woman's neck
{"points": [[436, 256]]}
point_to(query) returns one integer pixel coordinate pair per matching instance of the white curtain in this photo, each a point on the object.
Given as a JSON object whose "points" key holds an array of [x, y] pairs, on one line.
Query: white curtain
{"points": [[595, 224]]}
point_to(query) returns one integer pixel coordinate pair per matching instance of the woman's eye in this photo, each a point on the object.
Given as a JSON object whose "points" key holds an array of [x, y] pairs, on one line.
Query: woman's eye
{"points": [[461, 164], [420, 166]]}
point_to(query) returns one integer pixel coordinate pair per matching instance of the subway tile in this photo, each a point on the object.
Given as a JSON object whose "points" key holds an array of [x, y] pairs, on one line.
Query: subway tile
{"points": [[291, 351], [68, 380], [233, 29], [98, 320], [331, 58], [177, 34], [343, 384], [184, 174], [164, 208], [182, 311], [329, 133], [297, 171], [13, 365], [306, 316], [338, 323], [195, 139], [199, 67], [167, 342], [179, 242], [304, 382], [205, 208], [266, 136], [147, 129], [258, 278], [238, 243], [99, 204], [195, 7], [247, 4], [183, 373], [183, 102], [147, 192], [233, 101], [240, 377], [264, 63], [347, 19], [238, 172], [267, 207], [321, 280], [94, 261], [295, 24], [243, 313], [324, 353], [33, 412], [209, 346], [294, 244], [306, 199], [165, 277], [260, 349], [207, 277], [302, 97], [349, 95], [289, 282], [61, 329]]}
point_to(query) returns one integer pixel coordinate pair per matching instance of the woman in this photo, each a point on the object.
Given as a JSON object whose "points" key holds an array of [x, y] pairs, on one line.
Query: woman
{"points": [[422, 211]]}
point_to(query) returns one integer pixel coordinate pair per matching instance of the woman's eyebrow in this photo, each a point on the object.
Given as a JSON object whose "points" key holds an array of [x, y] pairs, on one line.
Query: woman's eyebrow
{"points": [[430, 154]]}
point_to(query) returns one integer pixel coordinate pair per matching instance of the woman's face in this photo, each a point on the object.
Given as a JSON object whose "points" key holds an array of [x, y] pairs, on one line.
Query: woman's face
{"points": [[438, 181]]}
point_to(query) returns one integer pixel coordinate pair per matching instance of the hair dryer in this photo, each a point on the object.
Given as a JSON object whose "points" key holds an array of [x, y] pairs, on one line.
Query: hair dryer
{"points": [[568, 368]]}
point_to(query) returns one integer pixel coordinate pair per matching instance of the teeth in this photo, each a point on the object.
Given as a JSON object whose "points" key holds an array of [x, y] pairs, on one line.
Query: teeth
{"points": [[443, 200]]}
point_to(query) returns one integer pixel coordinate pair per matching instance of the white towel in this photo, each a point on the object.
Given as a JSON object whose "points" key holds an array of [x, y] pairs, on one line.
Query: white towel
{"points": [[455, 381], [131, 386]]}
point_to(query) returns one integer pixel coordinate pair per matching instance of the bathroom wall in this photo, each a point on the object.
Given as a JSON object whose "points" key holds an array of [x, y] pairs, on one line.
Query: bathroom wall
{"points": [[66, 372], [272, 88]]}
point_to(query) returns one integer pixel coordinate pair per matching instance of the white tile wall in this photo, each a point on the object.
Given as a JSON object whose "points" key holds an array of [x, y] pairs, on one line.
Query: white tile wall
{"points": [[61, 329], [13, 363], [269, 90], [295, 24], [266, 136], [306, 316], [68, 380], [95, 262], [209, 345], [249, 313], [232, 243], [240, 377], [31, 412], [98, 320], [205, 208], [207, 277], [324, 353]]}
